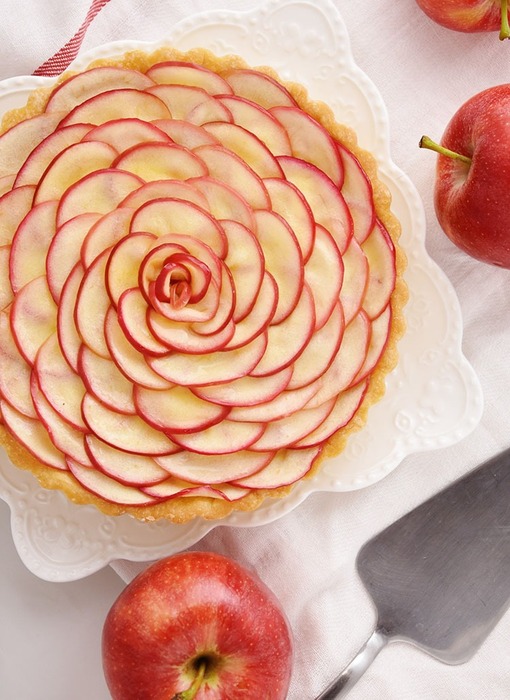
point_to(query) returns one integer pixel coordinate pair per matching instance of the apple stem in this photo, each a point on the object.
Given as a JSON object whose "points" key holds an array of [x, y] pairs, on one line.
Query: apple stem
{"points": [[192, 691], [504, 32], [426, 142]]}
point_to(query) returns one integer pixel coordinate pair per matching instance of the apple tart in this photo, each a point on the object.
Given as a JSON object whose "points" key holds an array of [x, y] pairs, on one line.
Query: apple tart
{"points": [[201, 285]]}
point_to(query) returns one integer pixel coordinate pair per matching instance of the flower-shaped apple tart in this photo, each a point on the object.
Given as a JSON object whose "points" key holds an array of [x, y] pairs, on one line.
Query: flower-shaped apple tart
{"points": [[200, 283]]}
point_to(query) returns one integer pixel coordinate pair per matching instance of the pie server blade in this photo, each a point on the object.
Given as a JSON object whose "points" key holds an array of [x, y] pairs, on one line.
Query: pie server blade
{"points": [[439, 576]]}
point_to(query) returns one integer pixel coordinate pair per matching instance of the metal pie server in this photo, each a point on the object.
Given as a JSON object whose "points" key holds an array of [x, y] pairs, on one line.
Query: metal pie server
{"points": [[440, 575]]}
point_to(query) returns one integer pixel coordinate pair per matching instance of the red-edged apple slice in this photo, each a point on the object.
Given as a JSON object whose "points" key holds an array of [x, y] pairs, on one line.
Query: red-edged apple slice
{"points": [[355, 280], [258, 121], [225, 308], [286, 467], [223, 202], [325, 200], [40, 158], [175, 487], [289, 203], [380, 253], [288, 339], [63, 435], [182, 338], [191, 104], [64, 250], [344, 409], [122, 268], [223, 438], [129, 361], [105, 233], [214, 469], [259, 88], [161, 161], [6, 183], [34, 436], [68, 336], [82, 86], [92, 303], [259, 317], [116, 104], [125, 432], [103, 379], [184, 133], [357, 192], [61, 386], [132, 314], [15, 374], [33, 317], [19, 141], [283, 260], [201, 370], [71, 165], [247, 146], [168, 216], [186, 73], [14, 206], [177, 410], [378, 340], [99, 192], [30, 245], [225, 166], [6, 295], [129, 469], [107, 488], [123, 134], [282, 405], [246, 391], [324, 273], [165, 189]]}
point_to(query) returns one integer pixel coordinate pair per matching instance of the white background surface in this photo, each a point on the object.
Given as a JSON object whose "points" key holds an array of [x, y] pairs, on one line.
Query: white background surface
{"points": [[50, 633]]}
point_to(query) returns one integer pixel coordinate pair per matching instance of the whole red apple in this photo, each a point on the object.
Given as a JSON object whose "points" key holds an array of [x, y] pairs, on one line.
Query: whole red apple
{"points": [[197, 625], [472, 186], [469, 15]]}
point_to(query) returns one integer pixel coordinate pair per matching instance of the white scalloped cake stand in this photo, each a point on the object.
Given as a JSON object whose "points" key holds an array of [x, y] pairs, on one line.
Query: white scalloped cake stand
{"points": [[433, 398]]}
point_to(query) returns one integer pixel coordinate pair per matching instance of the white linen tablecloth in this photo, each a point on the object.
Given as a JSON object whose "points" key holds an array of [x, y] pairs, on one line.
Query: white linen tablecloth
{"points": [[424, 73]]}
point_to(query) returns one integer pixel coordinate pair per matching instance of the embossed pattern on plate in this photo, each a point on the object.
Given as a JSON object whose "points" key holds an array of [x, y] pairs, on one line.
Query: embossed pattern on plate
{"points": [[433, 398]]}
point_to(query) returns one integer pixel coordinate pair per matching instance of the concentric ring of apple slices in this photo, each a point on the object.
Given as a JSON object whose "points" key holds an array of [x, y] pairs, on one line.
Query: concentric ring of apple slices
{"points": [[195, 288]]}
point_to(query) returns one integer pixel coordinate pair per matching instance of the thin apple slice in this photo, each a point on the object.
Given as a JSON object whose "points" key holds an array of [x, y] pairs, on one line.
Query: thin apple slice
{"points": [[182, 338], [284, 404], [225, 308], [355, 281], [33, 317], [40, 158], [14, 206], [98, 192], [15, 374], [30, 244], [245, 261], [357, 192], [223, 438], [378, 340], [380, 253], [165, 189], [123, 134], [64, 250], [31, 433], [68, 336], [61, 386], [72, 165], [191, 104], [246, 391], [82, 86], [105, 233], [323, 196], [92, 304], [184, 133], [161, 161], [122, 268], [6, 295], [259, 317], [116, 104], [212, 368], [223, 202], [125, 432], [132, 315], [103, 379], [258, 87], [19, 141], [324, 273], [289, 203], [6, 183], [177, 410], [286, 467], [213, 469], [172, 488], [129, 469], [107, 488], [187, 73], [247, 146], [344, 409], [225, 166], [129, 360]]}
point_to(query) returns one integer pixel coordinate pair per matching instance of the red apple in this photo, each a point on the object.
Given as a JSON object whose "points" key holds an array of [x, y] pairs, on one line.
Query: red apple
{"points": [[197, 625], [472, 188], [469, 15]]}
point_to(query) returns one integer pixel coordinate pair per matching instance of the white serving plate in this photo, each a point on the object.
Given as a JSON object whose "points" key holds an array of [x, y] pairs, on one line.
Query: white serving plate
{"points": [[433, 398]]}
